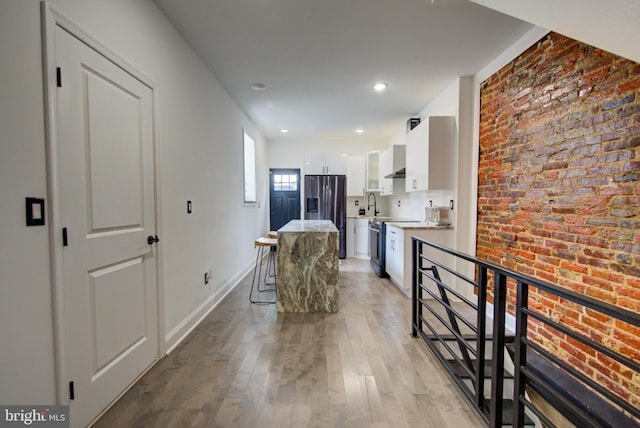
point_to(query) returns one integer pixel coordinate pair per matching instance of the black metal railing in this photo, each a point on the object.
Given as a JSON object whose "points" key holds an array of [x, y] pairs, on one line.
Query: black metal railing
{"points": [[540, 383]]}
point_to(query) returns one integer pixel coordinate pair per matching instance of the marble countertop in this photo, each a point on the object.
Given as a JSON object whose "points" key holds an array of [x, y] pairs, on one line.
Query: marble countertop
{"points": [[308, 226], [414, 225]]}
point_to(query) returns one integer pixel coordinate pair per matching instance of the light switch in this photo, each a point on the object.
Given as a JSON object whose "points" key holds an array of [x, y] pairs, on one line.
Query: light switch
{"points": [[35, 211]]}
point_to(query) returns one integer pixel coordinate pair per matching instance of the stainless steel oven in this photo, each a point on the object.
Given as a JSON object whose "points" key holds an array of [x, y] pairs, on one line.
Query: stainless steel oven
{"points": [[377, 231], [376, 248]]}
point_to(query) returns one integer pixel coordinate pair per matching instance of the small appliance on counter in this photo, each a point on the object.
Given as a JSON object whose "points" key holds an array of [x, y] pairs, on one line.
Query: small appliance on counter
{"points": [[438, 216]]}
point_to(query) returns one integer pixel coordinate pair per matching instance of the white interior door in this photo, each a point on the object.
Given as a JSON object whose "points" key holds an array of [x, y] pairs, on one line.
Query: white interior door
{"points": [[106, 181]]}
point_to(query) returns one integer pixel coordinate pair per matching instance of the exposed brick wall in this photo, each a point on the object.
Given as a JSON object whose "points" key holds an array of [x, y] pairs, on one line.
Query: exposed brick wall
{"points": [[559, 190]]}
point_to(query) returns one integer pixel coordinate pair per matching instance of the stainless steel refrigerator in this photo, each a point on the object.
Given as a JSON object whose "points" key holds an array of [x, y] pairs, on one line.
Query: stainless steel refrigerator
{"points": [[326, 199]]}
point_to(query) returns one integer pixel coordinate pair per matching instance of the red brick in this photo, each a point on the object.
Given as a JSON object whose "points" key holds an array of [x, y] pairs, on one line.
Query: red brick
{"points": [[628, 339], [629, 86], [559, 189]]}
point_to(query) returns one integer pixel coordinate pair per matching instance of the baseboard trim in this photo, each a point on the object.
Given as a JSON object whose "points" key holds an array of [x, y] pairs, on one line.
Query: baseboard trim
{"points": [[182, 330]]}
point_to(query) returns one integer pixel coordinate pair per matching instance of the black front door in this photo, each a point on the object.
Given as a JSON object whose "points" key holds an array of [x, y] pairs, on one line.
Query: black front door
{"points": [[284, 196]]}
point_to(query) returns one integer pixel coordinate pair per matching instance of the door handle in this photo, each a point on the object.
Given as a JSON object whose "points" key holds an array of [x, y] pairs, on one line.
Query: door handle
{"points": [[151, 239]]}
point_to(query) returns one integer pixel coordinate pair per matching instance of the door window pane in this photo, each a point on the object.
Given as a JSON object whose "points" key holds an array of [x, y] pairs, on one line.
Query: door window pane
{"points": [[285, 182]]}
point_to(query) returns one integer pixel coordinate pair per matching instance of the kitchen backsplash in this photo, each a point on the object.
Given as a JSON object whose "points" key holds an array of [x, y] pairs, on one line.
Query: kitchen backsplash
{"points": [[383, 204], [412, 204]]}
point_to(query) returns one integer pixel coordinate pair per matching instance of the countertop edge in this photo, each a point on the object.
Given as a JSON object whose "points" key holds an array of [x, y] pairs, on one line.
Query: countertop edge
{"points": [[418, 226], [308, 226]]}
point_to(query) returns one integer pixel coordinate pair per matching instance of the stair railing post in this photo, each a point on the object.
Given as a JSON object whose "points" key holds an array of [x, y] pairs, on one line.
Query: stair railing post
{"points": [[497, 354], [415, 256], [520, 357], [481, 342]]}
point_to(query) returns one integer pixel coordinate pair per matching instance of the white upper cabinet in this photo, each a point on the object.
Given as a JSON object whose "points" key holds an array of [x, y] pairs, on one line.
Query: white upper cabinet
{"points": [[355, 175], [392, 161], [430, 163], [336, 164], [325, 164], [386, 168], [373, 171]]}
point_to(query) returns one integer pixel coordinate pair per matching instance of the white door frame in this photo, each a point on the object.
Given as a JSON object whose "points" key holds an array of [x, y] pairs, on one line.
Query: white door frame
{"points": [[51, 19]]}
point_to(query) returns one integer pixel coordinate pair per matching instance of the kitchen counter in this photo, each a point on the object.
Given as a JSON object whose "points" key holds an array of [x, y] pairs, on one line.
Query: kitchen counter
{"points": [[416, 225], [307, 266], [309, 226], [398, 260]]}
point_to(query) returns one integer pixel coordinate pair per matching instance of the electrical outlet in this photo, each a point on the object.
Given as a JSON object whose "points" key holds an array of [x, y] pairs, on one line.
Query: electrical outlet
{"points": [[207, 277], [398, 203]]}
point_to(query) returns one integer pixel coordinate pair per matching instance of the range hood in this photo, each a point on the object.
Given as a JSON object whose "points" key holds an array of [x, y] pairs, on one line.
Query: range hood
{"points": [[401, 173], [395, 160]]}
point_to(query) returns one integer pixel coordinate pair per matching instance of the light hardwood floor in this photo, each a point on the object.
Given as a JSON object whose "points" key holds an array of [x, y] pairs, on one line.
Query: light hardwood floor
{"points": [[248, 366]]}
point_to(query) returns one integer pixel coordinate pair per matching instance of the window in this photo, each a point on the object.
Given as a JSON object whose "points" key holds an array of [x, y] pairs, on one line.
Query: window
{"points": [[285, 182], [249, 168]]}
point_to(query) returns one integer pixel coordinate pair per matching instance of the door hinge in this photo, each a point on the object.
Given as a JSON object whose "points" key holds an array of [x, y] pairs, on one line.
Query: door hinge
{"points": [[65, 240], [72, 393], [59, 77]]}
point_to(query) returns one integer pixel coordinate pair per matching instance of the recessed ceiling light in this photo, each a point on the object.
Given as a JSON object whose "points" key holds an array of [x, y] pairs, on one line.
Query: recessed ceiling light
{"points": [[359, 131], [284, 131], [379, 87], [343, 154], [258, 86]]}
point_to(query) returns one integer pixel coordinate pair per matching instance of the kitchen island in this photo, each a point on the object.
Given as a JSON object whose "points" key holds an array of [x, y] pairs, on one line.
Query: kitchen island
{"points": [[307, 266]]}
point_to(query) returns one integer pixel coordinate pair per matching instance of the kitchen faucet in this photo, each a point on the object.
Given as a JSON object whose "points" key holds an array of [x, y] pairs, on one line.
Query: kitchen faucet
{"points": [[375, 209]]}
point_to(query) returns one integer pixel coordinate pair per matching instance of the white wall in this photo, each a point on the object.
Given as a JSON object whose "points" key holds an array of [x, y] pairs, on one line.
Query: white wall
{"points": [[412, 204], [199, 144], [289, 153], [461, 100], [26, 350]]}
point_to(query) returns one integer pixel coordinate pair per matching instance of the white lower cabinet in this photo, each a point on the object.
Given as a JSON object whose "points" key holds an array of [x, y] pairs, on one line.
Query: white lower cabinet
{"points": [[351, 236], [394, 254], [398, 263], [358, 237], [361, 244]]}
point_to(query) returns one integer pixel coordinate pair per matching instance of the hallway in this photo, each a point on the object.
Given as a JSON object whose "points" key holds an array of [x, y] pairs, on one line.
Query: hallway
{"points": [[247, 366]]}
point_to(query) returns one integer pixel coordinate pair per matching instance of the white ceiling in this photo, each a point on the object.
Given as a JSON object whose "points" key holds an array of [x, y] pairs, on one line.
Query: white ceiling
{"points": [[612, 25], [319, 58]]}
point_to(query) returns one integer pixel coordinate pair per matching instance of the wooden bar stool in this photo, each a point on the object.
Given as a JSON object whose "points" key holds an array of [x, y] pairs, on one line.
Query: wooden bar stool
{"points": [[273, 234], [262, 243]]}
